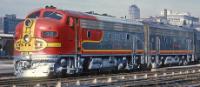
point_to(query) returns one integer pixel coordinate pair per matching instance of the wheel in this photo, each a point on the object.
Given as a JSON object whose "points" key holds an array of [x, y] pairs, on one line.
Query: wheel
{"points": [[185, 62]]}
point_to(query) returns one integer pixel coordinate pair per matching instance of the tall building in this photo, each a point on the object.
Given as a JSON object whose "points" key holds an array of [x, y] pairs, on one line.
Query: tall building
{"points": [[134, 12], [1, 24], [10, 22]]}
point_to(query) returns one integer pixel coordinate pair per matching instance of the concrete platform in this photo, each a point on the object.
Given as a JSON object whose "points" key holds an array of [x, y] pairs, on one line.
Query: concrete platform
{"points": [[6, 66]]}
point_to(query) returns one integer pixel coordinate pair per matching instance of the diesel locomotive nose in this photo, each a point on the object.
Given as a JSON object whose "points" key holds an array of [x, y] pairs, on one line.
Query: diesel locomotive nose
{"points": [[28, 41], [37, 35]]}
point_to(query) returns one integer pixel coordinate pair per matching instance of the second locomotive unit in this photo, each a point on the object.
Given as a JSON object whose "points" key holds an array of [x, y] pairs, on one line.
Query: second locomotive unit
{"points": [[57, 42]]}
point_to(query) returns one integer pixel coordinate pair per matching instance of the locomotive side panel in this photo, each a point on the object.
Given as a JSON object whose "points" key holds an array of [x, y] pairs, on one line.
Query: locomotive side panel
{"points": [[170, 46], [67, 36], [115, 38], [197, 45], [179, 41], [112, 43]]}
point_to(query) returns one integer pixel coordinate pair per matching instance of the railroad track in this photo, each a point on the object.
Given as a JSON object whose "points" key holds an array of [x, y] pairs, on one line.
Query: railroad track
{"points": [[144, 78]]}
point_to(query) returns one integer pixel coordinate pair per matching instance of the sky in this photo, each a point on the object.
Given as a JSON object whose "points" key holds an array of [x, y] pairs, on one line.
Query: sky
{"points": [[116, 8]]}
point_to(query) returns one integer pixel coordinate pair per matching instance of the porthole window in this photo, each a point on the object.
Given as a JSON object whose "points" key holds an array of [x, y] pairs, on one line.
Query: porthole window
{"points": [[88, 34], [127, 36]]}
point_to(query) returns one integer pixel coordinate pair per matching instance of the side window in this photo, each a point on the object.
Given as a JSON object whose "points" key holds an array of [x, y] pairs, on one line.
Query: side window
{"points": [[127, 36], [34, 15], [53, 15], [70, 21], [77, 21], [88, 34]]}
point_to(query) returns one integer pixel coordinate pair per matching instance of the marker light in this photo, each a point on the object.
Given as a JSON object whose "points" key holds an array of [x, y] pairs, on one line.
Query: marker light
{"points": [[28, 22]]}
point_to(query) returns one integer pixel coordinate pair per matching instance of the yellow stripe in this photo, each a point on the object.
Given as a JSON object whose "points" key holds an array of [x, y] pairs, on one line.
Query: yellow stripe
{"points": [[137, 51], [91, 41], [107, 50], [29, 30], [53, 44]]}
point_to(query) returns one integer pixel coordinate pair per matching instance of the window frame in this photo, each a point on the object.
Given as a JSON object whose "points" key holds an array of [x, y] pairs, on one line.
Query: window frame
{"points": [[51, 17], [37, 16]]}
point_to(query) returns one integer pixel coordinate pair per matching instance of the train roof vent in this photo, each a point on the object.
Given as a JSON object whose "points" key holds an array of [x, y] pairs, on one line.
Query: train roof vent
{"points": [[51, 7], [104, 14]]}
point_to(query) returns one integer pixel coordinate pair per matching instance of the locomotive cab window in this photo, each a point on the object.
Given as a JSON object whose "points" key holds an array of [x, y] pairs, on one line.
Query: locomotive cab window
{"points": [[71, 21], [53, 15], [34, 15]]}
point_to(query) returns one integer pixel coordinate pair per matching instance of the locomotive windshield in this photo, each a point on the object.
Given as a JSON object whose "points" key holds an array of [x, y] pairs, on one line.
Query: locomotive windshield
{"points": [[34, 15], [53, 15]]}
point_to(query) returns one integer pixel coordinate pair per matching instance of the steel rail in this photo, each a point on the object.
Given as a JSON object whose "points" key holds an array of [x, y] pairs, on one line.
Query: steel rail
{"points": [[139, 77]]}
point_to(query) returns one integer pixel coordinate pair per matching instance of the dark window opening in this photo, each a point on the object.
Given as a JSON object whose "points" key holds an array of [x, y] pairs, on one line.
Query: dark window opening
{"points": [[53, 15], [127, 36], [88, 34], [76, 20], [34, 15], [70, 21]]}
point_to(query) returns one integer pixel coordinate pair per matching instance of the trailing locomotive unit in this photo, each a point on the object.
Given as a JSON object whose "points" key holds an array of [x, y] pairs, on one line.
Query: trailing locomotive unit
{"points": [[57, 42], [169, 45]]}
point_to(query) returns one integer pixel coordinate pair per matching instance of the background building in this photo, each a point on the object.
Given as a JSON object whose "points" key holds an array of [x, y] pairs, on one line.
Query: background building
{"points": [[134, 12], [180, 18], [183, 19], [1, 24], [10, 22], [7, 29]]}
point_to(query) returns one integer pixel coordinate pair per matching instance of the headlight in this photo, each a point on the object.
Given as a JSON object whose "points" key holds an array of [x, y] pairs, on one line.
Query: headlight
{"points": [[26, 38], [27, 57]]}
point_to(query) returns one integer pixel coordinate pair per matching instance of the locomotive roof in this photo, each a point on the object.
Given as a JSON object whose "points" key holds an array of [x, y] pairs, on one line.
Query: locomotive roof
{"points": [[79, 14], [101, 18], [118, 20], [168, 26], [125, 21], [88, 16]]}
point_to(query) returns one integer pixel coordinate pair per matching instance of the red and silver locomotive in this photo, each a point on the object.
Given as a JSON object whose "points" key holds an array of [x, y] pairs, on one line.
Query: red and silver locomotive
{"points": [[56, 42]]}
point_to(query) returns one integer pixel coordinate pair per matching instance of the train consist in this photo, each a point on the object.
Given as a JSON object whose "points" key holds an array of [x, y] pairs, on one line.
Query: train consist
{"points": [[57, 42]]}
